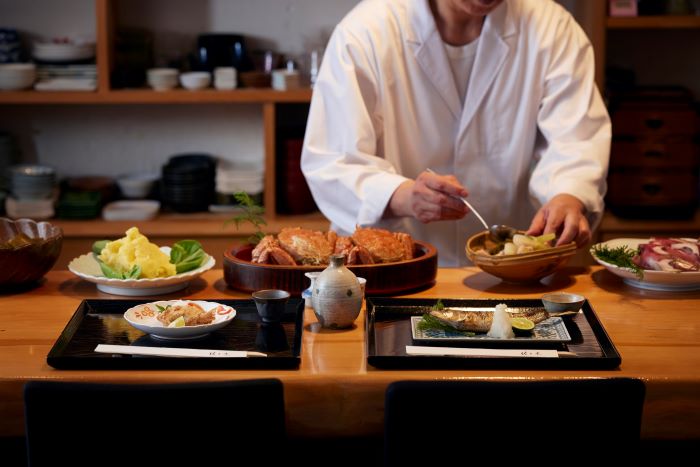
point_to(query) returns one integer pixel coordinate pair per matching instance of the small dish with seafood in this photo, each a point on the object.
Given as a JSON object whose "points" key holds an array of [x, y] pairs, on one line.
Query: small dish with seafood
{"points": [[179, 319]]}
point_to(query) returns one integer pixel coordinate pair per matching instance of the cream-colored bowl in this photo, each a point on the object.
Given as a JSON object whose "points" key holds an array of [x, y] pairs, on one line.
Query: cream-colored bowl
{"points": [[526, 267], [17, 76], [195, 80]]}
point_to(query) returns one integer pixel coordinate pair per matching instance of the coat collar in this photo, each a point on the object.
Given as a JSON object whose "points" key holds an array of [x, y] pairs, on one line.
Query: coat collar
{"points": [[431, 56]]}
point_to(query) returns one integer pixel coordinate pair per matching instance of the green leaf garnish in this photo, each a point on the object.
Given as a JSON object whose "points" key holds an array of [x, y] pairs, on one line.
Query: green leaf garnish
{"points": [[438, 306], [252, 213], [430, 322], [619, 256]]}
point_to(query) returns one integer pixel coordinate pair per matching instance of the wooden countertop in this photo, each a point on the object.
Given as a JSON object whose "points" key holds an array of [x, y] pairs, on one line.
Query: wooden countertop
{"points": [[335, 393]]}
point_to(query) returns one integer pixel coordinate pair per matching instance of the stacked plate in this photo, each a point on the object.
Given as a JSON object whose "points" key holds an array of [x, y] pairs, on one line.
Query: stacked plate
{"points": [[232, 178], [188, 182], [32, 181]]}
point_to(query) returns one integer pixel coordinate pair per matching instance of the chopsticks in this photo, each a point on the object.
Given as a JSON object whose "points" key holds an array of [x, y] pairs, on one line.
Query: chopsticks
{"points": [[175, 352]]}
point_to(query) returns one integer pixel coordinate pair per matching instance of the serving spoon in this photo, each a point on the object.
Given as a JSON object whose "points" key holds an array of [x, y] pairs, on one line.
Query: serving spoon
{"points": [[497, 232]]}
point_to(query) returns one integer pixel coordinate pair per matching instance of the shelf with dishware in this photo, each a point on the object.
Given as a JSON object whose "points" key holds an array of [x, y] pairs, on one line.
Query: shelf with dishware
{"points": [[148, 96]]}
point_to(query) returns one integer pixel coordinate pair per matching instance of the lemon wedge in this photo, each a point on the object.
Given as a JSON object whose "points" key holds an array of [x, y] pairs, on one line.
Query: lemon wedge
{"points": [[178, 323]]}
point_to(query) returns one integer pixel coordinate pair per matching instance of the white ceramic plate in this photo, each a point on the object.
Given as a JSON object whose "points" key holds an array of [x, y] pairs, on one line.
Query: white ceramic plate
{"points": [[549, 330], [652, 280], [144, 318], [87, 268]]}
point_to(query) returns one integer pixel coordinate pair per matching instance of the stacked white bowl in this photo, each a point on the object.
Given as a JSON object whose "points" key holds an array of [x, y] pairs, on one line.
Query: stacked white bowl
{"points": [[63, 51], [232, 179], [162, 79], [17, 76], [225, 78]]}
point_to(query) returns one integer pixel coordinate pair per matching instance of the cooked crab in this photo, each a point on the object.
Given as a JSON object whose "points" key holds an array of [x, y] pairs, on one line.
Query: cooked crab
{"points": [[307, 246], [355, 254], [268, 251], [383, 246]]}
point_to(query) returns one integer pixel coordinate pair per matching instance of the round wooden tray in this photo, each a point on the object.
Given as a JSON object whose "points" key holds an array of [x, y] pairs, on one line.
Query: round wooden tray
{"points": [[382, 279]]}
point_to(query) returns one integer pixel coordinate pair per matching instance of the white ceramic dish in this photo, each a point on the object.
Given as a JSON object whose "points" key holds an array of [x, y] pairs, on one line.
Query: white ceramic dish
{"points": [[144, 318], [62, 52], [549, 330], [135, 210], [136, 185], [17, 76], [652, 280], [194, 80], [86, 267]]}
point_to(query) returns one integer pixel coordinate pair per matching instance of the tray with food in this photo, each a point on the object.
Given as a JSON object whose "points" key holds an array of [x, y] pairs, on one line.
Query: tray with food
{"points": [[178, 334], [391, 262], [412, 333], [666, 264]]}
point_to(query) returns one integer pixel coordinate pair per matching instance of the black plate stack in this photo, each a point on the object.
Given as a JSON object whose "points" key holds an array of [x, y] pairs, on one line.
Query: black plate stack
{"points": [[188, 182]]}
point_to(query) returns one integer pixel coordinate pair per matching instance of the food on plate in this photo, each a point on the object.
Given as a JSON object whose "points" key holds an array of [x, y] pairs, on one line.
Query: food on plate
{"points": [[135, 257], [659, 254], [480, 321], [668, 254], [191, 313], [297, 246], [501, 328], [519, 244], [522, 326]]}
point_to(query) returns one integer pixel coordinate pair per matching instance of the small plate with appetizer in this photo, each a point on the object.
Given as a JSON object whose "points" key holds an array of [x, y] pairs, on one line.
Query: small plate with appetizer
{"points": [[134, 266], [667, 264], [179, 319]]}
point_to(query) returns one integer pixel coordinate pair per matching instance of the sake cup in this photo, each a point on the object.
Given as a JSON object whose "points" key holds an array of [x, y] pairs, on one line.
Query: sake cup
{"points": [[270, 304]]}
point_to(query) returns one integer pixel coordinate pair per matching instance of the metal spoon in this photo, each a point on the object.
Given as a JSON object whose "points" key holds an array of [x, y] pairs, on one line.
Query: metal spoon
{"points": [[498, 233]]}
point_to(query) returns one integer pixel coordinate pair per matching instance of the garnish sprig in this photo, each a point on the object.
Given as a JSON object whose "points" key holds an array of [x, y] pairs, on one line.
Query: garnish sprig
{"points": [[621, 256]]}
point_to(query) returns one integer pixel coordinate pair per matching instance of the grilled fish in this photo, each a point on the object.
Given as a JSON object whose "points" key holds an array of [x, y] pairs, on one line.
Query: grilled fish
{"points": [[479, 319]]}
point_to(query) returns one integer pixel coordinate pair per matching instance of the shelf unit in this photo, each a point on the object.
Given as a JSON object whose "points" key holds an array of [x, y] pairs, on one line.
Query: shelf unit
{"points": [[167, 226], [654, 22]]}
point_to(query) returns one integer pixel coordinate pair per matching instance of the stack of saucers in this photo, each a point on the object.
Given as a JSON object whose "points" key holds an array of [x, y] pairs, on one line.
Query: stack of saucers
{"points": [[32, 188], [234, 178], [188, 181]]}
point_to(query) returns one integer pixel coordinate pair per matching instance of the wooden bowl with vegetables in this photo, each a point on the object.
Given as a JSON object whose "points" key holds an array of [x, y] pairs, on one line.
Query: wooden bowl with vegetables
{"points": [[522, 259]]}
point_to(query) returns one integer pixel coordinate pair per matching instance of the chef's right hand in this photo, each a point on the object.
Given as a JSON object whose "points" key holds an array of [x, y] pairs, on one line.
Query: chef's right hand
{"points": [[431, 197]]}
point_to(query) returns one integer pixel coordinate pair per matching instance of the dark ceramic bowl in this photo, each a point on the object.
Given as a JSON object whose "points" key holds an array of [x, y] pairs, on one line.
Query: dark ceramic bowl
{"points": [[270, 304], [28, 250]]}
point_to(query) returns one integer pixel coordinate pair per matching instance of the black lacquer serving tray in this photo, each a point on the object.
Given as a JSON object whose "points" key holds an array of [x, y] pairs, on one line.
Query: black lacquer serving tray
{"points": [[389, 332], [102, 322]]}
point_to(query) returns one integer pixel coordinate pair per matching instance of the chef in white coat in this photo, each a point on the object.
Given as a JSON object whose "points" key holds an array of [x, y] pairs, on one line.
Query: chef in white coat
{"points": [[497, 97]]}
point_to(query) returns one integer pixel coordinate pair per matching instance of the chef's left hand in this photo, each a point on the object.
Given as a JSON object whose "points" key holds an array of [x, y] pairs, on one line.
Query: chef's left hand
{"points": [[564, 216]]}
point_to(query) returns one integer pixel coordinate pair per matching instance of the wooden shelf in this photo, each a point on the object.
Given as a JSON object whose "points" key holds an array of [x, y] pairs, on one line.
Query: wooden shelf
{"points": [[146, 96], [196, 225], [612, 226], [654, 22]]}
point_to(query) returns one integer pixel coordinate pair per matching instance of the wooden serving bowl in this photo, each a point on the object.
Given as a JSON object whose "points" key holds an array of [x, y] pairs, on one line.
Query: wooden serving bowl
{"points": [[525, 267], [382, 279], [28, 250]]}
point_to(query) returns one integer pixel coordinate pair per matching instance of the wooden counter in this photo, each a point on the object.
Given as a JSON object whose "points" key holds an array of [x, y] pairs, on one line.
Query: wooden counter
{"points": [[335, 393]]}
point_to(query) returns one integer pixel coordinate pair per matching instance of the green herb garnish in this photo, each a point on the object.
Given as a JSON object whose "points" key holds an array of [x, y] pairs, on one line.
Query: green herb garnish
{"points": [[161, 309], [430, 322], [252, 213], [134, 273], [619, 256], [438, 306]]}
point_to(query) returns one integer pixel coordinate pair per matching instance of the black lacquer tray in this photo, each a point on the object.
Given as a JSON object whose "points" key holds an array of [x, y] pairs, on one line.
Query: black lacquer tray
{"points": [[389, 332], [102, 322]]}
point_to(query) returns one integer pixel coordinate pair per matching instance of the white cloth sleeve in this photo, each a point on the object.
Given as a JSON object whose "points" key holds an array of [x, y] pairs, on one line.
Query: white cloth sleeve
{"points": [[573, 147], [350, 182]]}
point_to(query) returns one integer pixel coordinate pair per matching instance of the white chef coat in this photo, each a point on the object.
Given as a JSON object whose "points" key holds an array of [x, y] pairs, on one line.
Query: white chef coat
{"points": [[386, 107]]}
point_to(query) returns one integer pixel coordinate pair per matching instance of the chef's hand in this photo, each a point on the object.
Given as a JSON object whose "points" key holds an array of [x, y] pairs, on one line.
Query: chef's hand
{"points": [[564, 216], [431, 197]]}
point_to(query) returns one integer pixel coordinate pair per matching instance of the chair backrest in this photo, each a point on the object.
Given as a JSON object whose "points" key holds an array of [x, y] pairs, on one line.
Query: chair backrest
{"points": [[428, 422], [211, 423]]}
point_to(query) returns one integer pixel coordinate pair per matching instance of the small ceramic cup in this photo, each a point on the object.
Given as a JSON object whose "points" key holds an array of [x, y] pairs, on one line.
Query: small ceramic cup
{"points": [[306, 294], [559, 302], [270, 304], [363, 283]]}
